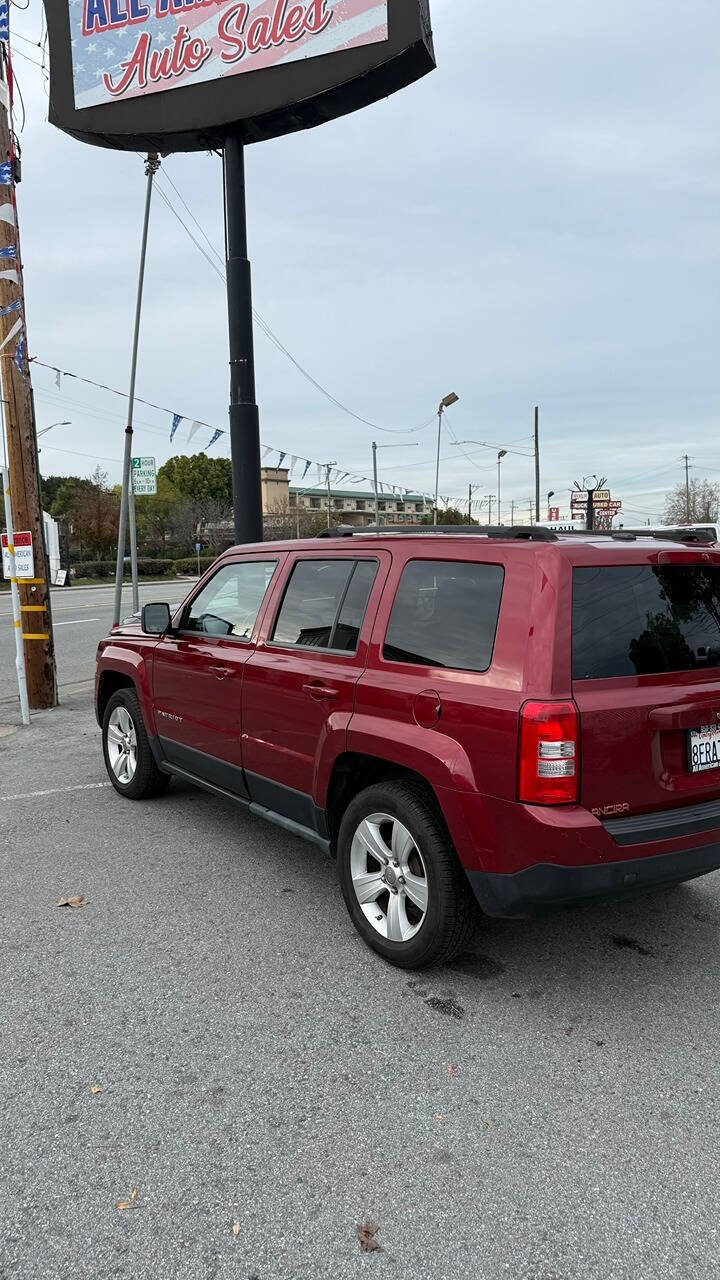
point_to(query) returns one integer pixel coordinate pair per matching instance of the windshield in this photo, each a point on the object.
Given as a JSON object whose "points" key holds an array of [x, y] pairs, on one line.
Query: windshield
{"points": [[640, 620]]}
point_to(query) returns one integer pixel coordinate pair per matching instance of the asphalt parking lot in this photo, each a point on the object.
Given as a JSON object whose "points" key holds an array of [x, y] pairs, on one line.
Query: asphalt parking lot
{"points": [[546, 1108]]}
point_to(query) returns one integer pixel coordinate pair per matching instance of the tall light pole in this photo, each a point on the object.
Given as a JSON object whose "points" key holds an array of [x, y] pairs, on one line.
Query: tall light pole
{"points": [[551, 494], [502, 454], [445, 403]]}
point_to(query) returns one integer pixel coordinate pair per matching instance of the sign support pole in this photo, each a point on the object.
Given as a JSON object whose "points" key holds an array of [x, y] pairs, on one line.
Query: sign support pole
{"points": [[244, 418], [126, 496], [15, 594]]}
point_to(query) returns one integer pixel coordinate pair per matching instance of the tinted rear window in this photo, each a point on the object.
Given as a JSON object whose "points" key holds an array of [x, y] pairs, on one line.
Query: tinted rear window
{"points": [[639, 620], [445, 614]]}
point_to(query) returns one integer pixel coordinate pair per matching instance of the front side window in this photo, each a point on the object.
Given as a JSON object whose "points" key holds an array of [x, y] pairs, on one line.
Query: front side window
{"points": [[445, 614], [230, 602], [325, 603]]}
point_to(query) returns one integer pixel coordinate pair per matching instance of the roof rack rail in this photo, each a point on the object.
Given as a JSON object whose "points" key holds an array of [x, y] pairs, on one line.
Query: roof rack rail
{"points": [[518, 532], [673, 535]]}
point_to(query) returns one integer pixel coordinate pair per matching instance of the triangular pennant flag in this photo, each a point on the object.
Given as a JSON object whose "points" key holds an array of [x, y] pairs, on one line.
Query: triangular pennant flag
{"points": [[7, 214], [319, 472], [4, 94], [10, 250], [15, 329], [293, 464], [281, 459], [58, 379], [307, 468], [176, 420], [10, 275], [19, 357], [266, 450], [215, 436], [194, 428], [6, 176], [12, 306]]}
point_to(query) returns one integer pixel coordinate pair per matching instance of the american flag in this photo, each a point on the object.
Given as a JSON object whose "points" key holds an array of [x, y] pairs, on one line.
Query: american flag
{"points": [[352, 23]]}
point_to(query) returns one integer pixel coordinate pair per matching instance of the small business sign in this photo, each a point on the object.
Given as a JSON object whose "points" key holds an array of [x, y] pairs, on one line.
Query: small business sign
{"points": [[24, 560], [554, 513], [144, 477]]}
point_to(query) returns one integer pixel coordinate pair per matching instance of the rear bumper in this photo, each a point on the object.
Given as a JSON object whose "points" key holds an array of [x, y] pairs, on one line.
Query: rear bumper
{"points": [[547, 885]]}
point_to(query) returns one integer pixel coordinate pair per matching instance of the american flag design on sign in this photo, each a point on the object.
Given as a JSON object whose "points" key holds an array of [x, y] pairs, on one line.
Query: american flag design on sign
{"points": [[129, 48]]}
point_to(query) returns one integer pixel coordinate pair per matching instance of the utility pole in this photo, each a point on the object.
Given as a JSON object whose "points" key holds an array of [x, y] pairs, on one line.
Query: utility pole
{"points": [[375, 484], [490, 499], [686, 460], [512, 512], [34, 593], [537, 464]]}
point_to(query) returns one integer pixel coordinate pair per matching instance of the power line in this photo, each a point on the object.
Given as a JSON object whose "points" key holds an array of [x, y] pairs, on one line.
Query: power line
{"points": [[272, 336]]}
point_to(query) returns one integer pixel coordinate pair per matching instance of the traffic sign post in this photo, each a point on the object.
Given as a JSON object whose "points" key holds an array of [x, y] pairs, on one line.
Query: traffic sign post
{"points": [[144, 477]]}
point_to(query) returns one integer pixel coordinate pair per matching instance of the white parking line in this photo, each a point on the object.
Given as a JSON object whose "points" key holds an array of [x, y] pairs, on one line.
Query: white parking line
{"points": [[55, 791], [73, 622]]}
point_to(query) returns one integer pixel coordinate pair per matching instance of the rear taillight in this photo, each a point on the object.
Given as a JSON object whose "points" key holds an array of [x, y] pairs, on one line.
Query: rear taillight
{"points": [[549, 761]]}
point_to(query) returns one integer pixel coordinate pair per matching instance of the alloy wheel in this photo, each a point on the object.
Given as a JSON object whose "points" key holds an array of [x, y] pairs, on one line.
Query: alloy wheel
{"points": [[122, 745], [389, 877]]}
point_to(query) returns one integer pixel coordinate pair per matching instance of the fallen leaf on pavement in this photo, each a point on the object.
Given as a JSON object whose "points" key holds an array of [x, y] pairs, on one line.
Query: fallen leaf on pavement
{"points": [[236, 1228], [127, 1204], [366, 1235], [76, 901], [569, 1031], [452, 1071], [95, 1088]]}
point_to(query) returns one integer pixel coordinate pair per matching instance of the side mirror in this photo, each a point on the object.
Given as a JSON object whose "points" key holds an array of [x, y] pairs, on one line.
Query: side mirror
{"points": [[156, 619]]}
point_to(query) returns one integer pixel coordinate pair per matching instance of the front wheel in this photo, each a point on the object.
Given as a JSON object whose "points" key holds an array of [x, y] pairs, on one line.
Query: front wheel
{"points": [[128, 757], [400, 877]]}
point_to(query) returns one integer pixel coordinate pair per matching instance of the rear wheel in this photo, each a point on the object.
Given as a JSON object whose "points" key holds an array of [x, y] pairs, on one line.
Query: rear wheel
{"points": [[400, 877], [128, 757]]}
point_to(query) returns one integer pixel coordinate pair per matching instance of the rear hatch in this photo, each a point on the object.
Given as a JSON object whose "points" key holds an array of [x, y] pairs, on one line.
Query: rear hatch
{"points": [[646, 679]]}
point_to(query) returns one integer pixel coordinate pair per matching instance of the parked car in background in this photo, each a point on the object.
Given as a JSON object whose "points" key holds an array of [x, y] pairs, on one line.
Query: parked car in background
{"points": [[514, 719]]}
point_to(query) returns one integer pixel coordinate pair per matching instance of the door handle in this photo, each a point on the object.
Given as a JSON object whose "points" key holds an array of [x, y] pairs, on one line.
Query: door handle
{"points": [[222, 672], [320, 691]]}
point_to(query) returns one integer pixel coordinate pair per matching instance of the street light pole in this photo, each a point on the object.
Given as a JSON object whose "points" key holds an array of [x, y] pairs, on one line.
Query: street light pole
{"points": [[501, 455], [152, 165], [445, 403], [375, 483]]}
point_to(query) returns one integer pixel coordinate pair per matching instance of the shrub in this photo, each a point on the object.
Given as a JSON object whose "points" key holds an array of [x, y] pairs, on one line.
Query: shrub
{"points": [[189, 564]]}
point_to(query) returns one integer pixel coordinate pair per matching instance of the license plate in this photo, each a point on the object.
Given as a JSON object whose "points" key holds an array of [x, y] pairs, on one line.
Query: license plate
{"points": [[704, 748]]}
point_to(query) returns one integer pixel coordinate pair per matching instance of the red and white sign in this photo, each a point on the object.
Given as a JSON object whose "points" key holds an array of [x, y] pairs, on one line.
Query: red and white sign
{"points": [[554, 513], [24, 562], [128, 48]]}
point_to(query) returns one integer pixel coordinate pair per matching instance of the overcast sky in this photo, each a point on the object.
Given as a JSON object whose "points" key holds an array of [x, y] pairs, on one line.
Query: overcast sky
{"points": [[535, 222]]}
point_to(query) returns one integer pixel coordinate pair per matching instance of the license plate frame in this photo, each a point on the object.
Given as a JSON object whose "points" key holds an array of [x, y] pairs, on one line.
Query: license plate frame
{"points": [[703, 748]]}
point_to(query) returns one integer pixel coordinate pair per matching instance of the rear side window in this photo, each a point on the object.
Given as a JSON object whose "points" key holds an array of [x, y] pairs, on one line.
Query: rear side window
{"points": [[445, 614], [644, 620], [324, 604]]}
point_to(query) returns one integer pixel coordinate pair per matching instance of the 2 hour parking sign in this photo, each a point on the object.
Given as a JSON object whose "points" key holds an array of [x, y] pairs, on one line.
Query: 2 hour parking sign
{"points": [[144, 478]]}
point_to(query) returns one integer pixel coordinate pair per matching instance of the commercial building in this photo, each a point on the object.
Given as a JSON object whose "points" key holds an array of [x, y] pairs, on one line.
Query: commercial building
{"points": [[347, 506]]}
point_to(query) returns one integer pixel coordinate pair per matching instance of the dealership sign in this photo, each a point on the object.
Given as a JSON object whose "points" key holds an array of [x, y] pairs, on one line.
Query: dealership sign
{"points": [[181, 74]]}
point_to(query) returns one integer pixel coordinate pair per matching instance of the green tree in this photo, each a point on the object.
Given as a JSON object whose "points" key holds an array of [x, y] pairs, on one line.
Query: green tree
{"points": [[200, 478], [52, 484], [90, 508], [155, 515], [451, 516]]}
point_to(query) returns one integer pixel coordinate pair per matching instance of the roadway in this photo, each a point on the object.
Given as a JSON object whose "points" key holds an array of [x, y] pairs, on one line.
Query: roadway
{"points": [[81, 617]]}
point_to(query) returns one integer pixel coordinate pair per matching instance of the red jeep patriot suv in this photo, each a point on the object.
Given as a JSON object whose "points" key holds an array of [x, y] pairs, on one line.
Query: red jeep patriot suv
{"points": [[504, 715]]}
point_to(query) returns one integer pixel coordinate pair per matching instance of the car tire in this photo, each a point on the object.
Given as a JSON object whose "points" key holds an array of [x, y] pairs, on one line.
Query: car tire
{"points": [[128, 756], [415, 907]]}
